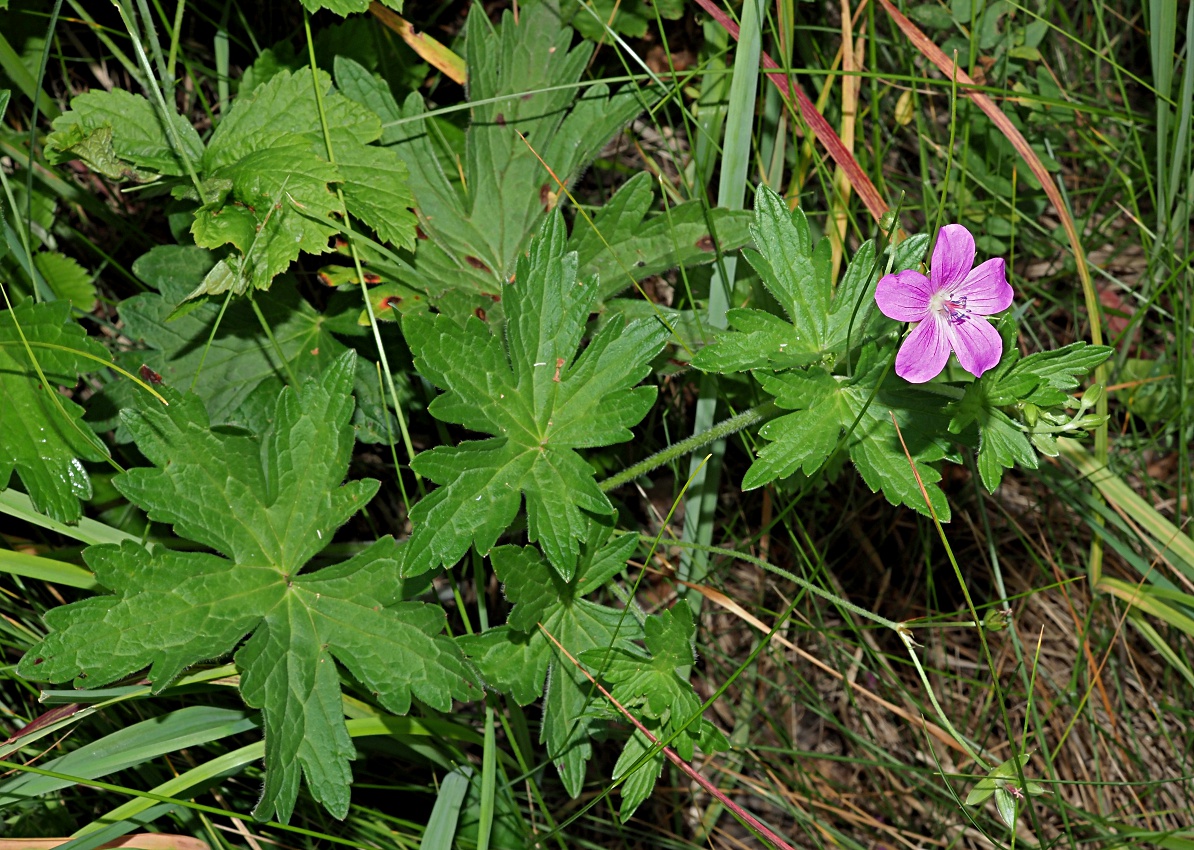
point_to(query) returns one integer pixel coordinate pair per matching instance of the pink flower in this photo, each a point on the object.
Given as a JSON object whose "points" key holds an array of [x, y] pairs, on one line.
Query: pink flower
{"points": [[948, 307]]}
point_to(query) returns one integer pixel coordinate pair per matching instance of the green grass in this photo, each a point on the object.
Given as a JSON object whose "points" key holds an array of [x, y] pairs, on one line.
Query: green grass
{"points": [[1100, 691]]}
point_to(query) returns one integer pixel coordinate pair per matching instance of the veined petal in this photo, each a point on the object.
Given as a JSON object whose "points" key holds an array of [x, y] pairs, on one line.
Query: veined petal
{"points": [[953, 256], [986, 289], [976, 342], [904, 296], [925, 352]]}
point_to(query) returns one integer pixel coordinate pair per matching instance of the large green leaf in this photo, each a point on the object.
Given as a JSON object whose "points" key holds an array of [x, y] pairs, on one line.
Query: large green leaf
{"points": [[539, 398], [480, 203], [268, 504], [267, 178], [817, 323], [122, 136], [41, 436]]}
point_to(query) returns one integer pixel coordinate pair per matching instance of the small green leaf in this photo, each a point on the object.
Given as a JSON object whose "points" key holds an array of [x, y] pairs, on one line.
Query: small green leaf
{"points": [[268, 504], [802, 440], [539, 398], [998, 778], [785, 263], [1054, 373], [343, 8], [1006, 804], [1001, 446], [980, 793], [827, 404], [518, 657], [280, 206], [67, 279], [650, 685], [637, 786], [878, 452], [756, 340], [932, 15], [42, 446], [375, 190], [650, 680], [630, 17], [269, 177]]}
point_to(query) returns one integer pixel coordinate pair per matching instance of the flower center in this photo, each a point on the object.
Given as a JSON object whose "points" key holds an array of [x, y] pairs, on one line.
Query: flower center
{"points": [[949, 306]]}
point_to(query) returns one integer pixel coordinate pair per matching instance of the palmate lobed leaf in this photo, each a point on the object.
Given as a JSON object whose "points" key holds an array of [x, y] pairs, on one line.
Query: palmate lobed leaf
{"points": [[1044, 379], [520, 659], [37, 441], [818, 322], [280, 205], [481, 198], [826, 406], [267, 180], [799, 358], [649, 685], [269, 505], [1052, 374], [271, 156], [539, 399]]}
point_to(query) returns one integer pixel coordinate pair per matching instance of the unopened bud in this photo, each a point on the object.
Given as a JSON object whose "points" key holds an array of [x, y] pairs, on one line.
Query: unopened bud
{"points": [[997, 619]]}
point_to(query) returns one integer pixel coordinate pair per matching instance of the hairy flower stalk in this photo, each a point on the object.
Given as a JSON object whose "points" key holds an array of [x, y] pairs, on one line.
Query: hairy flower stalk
{"points": [[948, 308]]}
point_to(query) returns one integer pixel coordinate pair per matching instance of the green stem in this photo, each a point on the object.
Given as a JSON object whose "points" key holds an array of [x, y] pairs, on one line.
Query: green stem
{"points": [[910, 645], [269, 334], [720, 431], [167, 112], [407, 443]]}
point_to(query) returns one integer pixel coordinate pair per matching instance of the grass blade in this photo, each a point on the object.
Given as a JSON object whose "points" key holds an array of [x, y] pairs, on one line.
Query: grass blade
{"points": [[821, 128], [704, 478]]}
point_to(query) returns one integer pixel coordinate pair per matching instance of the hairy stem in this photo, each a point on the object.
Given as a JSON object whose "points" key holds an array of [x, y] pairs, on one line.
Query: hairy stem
{"points": [[719, 431]]}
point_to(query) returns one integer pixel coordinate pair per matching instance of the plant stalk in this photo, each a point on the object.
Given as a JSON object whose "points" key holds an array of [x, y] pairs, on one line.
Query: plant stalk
{"points": [[718, 432]]}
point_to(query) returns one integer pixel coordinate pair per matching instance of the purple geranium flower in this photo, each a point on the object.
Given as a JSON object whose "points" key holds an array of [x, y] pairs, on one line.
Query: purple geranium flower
{"points": [[947, 307]]}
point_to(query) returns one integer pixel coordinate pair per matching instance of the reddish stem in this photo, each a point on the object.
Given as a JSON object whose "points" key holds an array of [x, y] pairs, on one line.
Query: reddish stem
{"points": [[816, 121]]}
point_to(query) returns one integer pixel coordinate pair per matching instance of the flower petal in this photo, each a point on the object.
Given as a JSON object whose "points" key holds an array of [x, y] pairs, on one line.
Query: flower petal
{"points": [[924, 353], [953, 256], [904, 296], [976, 342], [986, 289]]}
